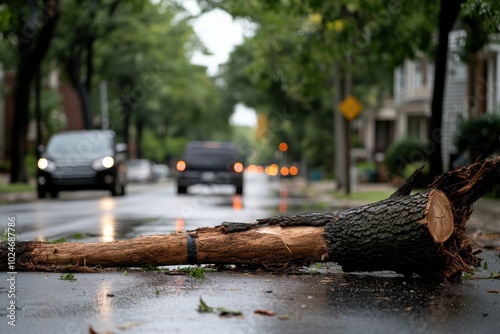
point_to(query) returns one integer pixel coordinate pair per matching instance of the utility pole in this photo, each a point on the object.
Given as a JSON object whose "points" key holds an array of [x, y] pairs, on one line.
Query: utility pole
{"points": [[347, 133], [350, 108], [338, 127]]}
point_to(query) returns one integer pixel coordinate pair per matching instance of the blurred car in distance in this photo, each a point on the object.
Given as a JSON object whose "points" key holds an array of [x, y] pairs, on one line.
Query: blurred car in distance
{"points": [[82, 160], [210, 162], [160, 172], [140, 170]]}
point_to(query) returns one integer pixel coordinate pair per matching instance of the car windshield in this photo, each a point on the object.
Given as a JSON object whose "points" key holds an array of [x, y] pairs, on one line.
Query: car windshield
{"points": [[81, 145], [138, 163], [209, 154]]}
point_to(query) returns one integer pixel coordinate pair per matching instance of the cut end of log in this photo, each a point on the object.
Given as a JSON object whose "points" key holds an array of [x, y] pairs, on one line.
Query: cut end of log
{"points": [[439, 217]]}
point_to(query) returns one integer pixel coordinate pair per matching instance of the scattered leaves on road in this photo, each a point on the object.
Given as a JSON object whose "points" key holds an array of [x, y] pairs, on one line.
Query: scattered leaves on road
{"points": [[493, 291], [495, 275], [194, 272], [67, 277], [265, 312], [221, 311]]}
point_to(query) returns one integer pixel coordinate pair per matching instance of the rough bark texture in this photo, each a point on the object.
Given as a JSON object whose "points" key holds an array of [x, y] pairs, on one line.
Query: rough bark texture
{"points": [[393, 235], [448, 14], [31, 53], [423, 233]]}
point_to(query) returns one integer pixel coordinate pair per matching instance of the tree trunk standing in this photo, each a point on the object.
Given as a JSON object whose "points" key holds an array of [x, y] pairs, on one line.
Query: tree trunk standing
{"points": [[19, 143], [338, 127], [73, 67], [38, 111], [124, 84], [89, 65], [31, 54], [422, 234], [448, 13], [348, 87], [139, 127]]}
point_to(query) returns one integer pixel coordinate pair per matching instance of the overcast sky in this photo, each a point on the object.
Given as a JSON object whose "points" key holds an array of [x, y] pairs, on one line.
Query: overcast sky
{"points": [[220, 33]]}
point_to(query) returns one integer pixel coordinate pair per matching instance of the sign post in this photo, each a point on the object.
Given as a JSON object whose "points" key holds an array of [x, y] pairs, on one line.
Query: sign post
{"points": [[350, 107]]}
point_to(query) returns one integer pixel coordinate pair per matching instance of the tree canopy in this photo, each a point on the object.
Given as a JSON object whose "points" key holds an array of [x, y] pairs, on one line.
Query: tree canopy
{"points": [[299, 59]]}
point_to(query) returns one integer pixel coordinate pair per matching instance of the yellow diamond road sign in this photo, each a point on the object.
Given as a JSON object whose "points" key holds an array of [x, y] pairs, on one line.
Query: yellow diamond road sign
{"points": [[350, 107]]}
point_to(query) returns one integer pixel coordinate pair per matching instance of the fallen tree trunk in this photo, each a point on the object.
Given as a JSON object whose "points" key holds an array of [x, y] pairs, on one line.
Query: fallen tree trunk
{"points": [[422, 233]]}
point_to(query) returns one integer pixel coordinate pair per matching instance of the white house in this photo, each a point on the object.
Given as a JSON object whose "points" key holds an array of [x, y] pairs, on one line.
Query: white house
{"points": [[408, 114]]}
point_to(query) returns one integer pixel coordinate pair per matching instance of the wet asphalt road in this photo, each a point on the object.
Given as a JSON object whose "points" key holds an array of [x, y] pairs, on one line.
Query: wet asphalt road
{"points": [[147, 209], [320, 299]]}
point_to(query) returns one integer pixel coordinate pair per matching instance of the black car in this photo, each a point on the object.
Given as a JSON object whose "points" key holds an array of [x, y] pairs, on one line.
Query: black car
{"points": [[82, 160], [210, 162]]}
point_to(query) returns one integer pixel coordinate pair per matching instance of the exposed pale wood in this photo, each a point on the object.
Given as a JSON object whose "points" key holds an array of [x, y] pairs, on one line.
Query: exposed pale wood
{"points": [[122, 253], [268, 245], [439, 217]]}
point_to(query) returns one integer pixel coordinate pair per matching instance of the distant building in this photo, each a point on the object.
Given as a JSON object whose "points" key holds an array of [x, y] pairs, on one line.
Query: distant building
{"points": [[409, 113]]}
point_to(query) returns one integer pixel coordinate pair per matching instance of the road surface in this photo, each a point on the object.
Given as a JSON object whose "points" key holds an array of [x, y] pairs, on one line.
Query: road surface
{"points": [[318, 299]]}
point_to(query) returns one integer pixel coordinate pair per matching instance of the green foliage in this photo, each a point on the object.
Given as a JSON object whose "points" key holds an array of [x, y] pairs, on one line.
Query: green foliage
{"points": [[57, 241], [195, 272], [16, 188], [153, 146], [403, 153], [467, 276], [67, 277], [222, 311], [149, 267], [203, 307], [485, 11], [479, 136], [287, 66]]}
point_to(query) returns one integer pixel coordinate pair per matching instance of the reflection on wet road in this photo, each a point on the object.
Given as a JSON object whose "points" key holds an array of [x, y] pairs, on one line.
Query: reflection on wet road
{"points": [[150, 209]]}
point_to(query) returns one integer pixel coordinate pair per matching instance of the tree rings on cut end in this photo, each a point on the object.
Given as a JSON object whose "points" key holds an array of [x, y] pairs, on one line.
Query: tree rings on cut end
{"points": [[439, 217]]}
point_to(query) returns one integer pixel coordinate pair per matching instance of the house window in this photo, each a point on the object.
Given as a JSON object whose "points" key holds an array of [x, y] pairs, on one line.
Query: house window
{"points": [[384, 135], [430, 75], [417, 127], [418, 74], [402, 78]]}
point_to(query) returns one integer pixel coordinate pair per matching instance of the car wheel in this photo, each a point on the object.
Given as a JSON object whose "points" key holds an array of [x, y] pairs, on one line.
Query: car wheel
{"points": [[124, 191], [181, 189], [54, 193], [42, 193], [117, 188], [239, 190]]}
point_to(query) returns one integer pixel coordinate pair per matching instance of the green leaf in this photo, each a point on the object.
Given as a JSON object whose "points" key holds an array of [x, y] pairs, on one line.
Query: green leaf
{"points": [[67, 277], [495, 275], [204, 308]]}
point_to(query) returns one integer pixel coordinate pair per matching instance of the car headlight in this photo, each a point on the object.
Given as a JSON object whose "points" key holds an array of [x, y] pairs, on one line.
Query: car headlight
{"points": [[47, 165], [103, 163]]}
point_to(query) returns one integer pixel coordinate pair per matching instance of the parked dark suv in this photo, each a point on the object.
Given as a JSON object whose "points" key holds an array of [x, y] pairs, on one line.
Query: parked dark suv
{"points": [[82, 160], [210, 162]]}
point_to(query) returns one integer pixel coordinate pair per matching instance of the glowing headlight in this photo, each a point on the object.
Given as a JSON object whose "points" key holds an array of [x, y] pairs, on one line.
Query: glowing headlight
{"points": [[108, 162], [103, 163], [45, 164]]}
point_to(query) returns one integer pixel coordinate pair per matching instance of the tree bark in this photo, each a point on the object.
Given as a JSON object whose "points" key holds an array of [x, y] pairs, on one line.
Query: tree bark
{"points": [[73, 68], [420, 234], [31, 54], [447, 15], [139, 130]]}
